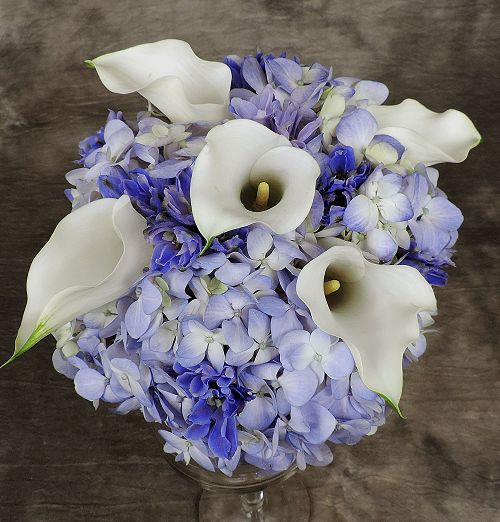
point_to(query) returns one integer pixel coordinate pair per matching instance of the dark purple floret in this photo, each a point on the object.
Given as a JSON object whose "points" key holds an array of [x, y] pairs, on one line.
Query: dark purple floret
{"points": [[233, 241], [175, 246], [337, 185], [237, 80], [218, 399], [341, 160]]}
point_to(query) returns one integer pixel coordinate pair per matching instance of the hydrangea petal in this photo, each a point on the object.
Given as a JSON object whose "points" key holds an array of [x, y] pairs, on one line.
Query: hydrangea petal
{"points": [[389, 185], [396, 208], [444, 214], [339, 362], [320, 422], [299, 386], [253, 74], [356, 129], [321, 342], [177, 281], [361, 214], [429, 238], [192, 347], [216, 311], [277, 260], [136, 321], [216, 356], [259, 325], [259, 242], [283, 324], [173, 441], [236, 335], [118, 136], [286, 73], [381, 244], [295, 351], [273, 306], [90, 384], [374, 93], [232, 274], [201, 458], [258, 414]]}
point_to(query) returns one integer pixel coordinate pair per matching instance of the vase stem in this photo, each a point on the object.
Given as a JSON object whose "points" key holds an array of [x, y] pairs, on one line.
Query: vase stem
{"points": [[253, 505]]}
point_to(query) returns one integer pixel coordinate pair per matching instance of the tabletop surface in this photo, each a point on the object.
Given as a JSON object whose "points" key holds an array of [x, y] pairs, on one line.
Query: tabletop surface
{"points": [[62, 461]]}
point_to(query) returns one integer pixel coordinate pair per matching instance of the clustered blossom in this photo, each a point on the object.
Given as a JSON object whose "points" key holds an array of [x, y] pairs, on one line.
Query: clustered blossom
{"points": [[216, 344]]}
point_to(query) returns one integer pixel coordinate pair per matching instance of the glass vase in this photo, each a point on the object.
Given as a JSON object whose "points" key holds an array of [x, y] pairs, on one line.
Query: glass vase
{"points": [[249, 494]]}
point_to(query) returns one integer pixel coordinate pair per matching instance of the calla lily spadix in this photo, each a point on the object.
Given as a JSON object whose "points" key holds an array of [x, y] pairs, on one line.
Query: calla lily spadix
{"points": [[428, 137], [93, 257], [170, 76], [243, 165], [372, 307]]}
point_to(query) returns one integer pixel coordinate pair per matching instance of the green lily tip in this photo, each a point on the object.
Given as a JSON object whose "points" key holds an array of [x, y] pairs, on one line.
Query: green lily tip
{"points": [[393, 405], [89, 64], [8, 361], [38, 334]]}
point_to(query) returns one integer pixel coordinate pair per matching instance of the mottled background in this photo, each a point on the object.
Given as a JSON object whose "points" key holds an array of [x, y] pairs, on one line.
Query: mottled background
{"points": [[61, 461]]}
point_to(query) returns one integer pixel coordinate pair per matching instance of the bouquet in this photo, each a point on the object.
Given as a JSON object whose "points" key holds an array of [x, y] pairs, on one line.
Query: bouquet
{"points": [[249, 263]]}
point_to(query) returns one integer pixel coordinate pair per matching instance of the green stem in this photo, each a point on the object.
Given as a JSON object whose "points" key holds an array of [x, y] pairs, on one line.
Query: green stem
{"points": [[207, 246]]}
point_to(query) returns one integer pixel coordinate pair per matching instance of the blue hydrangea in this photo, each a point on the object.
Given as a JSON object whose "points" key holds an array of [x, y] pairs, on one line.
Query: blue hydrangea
{"points": [[217, 347]]}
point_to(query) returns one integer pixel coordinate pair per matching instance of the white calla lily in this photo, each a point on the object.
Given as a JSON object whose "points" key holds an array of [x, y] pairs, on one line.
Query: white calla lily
{"points": [[170, 76], [239, 156], [372, 307], [428, 137], [93, 257]]}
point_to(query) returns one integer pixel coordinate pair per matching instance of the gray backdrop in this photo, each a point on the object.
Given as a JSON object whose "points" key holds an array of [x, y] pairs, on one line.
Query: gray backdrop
{"points": [[61, 461]]}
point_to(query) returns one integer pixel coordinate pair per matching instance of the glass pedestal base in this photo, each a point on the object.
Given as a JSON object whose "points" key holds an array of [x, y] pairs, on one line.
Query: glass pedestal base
{"points": [[249, 494], [285, 500]]}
